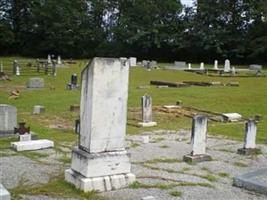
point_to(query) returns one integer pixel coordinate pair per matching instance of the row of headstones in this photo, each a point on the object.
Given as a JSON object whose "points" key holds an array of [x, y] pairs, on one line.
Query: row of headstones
{"points": [[199, 138], [8, 123], [100, 161], [227, 65]]}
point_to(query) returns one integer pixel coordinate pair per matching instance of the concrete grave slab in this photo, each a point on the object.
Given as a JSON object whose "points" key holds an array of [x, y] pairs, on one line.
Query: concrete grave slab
{"points": [[32, 145], [255, 181]]}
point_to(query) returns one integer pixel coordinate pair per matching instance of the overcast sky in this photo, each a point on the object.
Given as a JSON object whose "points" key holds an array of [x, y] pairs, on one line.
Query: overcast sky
{"points": [[187, 2]]}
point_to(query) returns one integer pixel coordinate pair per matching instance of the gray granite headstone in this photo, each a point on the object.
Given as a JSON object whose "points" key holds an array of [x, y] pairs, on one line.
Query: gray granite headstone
{"points": [[255, 67], [254, 181], [180, 64], [35, 83], [153, 64], [8, 119]]}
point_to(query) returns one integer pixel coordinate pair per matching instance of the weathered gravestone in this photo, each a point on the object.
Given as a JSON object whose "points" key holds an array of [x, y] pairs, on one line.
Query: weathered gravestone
{"points": [[198, 140], [202, 67], [146, 106], [17, 71], [215, 64], [100, 162], [8, 119], [255, 67], [180, 64], [4, 194], [49, 60], [59, 62], [1, 67], [153, 64], [189, 66], [37, 109], [249, 139], [254, 181], [132, 61], [35, 83], [14, 67], [227, 66], [73, 82]]}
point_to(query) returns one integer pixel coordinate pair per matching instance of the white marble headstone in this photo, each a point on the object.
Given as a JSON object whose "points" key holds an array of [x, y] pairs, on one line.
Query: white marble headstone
{"points": [[189, 66], [199, 135], [59, 62], [17, 71], [132, 61], [227, 66], [202, 66], [215, 64], [103, 110], [49, 61], [250, 135]]}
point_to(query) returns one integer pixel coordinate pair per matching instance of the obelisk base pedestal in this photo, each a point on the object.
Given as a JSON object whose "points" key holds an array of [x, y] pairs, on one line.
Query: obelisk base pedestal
{"points": [[192, 159], [100, 184]]}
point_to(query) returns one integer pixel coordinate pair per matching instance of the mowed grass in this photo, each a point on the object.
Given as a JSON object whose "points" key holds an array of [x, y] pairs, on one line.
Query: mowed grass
{"points": [[248, 99]]}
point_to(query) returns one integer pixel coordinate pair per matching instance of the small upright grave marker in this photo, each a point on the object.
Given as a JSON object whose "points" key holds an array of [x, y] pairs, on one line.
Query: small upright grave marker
{"points": [[215, 64], [35, 83], [227, 66], [202, 67], [37, 109], [8, 119], [198, 140], [146, 103], [249, 139]]}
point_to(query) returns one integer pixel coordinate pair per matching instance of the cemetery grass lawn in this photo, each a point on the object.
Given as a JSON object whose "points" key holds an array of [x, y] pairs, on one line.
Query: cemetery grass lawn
{"points": [[248, 99]]}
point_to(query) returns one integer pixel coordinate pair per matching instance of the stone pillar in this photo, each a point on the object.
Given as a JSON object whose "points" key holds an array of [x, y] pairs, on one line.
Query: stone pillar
{"points": [[202, 67], [198, 140], [250, 139], [8, 119], [100, 162], [146, 106], [227, 66], [215, 64]]}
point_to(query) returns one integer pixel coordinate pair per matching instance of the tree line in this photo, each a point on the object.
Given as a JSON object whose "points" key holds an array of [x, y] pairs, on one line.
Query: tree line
{"points": [[157, 29]]}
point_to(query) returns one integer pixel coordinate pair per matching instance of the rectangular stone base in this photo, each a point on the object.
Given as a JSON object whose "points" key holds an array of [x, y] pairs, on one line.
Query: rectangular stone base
{"points": [[255, 181], [197, 158], [32, 145], [147, 124], [100, 184], [246, 152], [100, 164], [4, 194]]}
